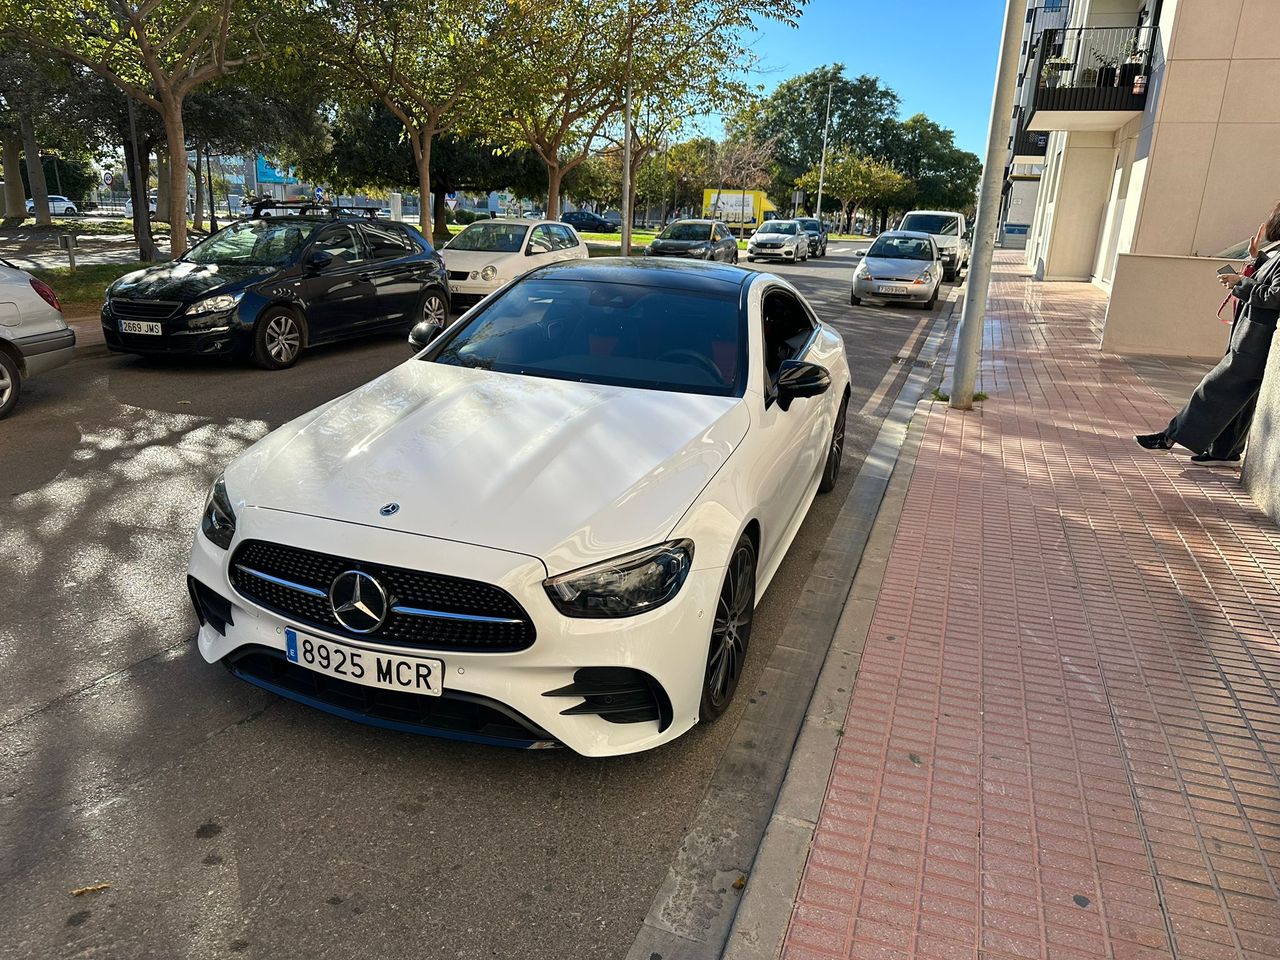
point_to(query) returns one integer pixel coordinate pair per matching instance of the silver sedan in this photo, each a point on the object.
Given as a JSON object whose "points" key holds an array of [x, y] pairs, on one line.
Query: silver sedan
{"points": [[901, 265]]}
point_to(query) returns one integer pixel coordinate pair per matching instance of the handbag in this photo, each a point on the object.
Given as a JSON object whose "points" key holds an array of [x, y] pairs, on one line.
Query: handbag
{"points": [[1248, 271]]}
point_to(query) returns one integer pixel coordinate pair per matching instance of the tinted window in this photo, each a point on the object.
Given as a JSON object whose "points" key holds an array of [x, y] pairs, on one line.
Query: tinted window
{"points": [[810, 224], [564, 237], [490, 236], [612, 333], [341, 243], [787, 329], [252, 243], [780, 226], [902, 248], [942, 224], [686, 231], [386, 242]]}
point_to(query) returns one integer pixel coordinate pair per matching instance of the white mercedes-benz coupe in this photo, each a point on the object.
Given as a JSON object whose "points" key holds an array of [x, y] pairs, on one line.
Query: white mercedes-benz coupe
{"points": [[550, 526]]}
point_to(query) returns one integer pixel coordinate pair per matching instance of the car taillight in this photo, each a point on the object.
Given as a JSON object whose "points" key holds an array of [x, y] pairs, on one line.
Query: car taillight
{"points": [[46, 293]]}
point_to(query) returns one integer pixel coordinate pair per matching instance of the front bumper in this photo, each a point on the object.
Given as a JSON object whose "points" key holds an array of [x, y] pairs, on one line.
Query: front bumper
{"points": [[221, 335], [465, 294], [774, 253], [668, 645], [873, 289]]}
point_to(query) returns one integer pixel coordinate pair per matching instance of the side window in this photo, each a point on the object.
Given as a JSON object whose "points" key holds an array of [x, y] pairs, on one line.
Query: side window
{"points": [[541, 240], [341, 243], [386, 243], [787, 329], [564, 236]]}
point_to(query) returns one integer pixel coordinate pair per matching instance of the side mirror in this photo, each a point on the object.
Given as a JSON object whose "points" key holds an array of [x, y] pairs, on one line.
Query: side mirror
{"points": [[423, 333], [799, 378], [318, 261], [859, 254]]}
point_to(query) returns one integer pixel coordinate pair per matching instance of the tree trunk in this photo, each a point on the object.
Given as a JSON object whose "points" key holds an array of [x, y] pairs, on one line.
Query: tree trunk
{"points": [[213, 205], [35, 171], [554, 176], [441, 226], [176, 135], [14, 201], [421, 141], [197, 211], [162, 187], [139, 194]]}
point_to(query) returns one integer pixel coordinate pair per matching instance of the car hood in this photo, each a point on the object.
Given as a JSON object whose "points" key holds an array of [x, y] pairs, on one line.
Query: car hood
{"points": [[180, 280], [895, 267], [478, 259], [567, 472], [945, 242]]}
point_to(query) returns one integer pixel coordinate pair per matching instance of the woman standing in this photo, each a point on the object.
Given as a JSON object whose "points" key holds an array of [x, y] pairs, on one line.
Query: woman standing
{"points": [[1214, 424]]}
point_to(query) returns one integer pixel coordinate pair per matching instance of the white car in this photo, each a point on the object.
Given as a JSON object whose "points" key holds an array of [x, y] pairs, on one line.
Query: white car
{"points": [[551, 526], [33, 336], [57, 205], [779, 240], [128, 206], [949, 232], [490, 253]]}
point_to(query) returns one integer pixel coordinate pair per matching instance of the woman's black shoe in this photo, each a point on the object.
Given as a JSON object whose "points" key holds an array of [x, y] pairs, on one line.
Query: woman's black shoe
{"points": [[1209, 460], [1155, 441]]}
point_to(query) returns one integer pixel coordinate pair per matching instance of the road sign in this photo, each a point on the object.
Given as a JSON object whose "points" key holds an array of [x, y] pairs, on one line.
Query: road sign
{"points": [[451, 195], [451, 202], [107, 178]]}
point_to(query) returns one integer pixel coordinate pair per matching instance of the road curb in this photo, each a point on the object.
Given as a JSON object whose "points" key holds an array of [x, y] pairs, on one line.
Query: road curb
{"points": [[694, 909], [761, 923]]}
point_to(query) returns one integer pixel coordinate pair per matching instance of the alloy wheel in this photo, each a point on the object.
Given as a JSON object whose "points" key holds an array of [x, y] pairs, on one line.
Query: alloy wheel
{"points": [[731, 629], [434, 310], [835, 452], [6, 386], [283, 337]]}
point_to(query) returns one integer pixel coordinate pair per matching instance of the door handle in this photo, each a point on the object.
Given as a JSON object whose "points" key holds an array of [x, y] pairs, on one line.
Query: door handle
{"points": [[365, 277]]}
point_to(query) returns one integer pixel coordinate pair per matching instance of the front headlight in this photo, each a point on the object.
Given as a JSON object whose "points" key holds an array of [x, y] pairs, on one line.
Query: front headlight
{"points": [[218, 304], [624, 586], [926, 276], [489, 272], [219, 520]]}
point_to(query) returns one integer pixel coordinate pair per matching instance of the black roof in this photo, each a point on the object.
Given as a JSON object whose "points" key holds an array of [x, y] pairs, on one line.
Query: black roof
{"points": [[658, 271]]}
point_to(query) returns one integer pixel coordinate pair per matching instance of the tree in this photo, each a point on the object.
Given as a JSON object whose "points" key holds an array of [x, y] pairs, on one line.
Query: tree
{"points": [[945, 177], [422, 59], [857, 181], [863, 112], [156, 51], [596, 180]]}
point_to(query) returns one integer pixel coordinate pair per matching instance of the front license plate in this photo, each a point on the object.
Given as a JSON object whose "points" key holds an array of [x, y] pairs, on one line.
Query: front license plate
{"points": [[887, 289], [372, 669], [139, 326]]}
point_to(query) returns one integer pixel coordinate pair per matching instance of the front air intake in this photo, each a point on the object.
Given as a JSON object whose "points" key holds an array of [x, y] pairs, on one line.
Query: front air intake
{"points": [[616, 694]]}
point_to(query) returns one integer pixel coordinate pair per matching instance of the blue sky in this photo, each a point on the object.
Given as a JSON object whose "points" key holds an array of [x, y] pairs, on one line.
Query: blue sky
{"points": [[939, 55]]}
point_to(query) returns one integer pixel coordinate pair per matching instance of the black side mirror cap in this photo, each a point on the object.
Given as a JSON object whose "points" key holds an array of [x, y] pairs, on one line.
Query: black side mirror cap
{"points": [[423, 333], [318, 260], [800, 378]]}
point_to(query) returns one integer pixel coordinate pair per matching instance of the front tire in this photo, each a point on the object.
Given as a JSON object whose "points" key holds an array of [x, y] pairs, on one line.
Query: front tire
{"points": [[854, 300], [277, 339], [435, 309], [730, 631], [10, 384], [835, 452]]}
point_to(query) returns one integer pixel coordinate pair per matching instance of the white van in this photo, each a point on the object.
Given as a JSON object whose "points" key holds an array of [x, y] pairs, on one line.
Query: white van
{"points": [[949, 232]]}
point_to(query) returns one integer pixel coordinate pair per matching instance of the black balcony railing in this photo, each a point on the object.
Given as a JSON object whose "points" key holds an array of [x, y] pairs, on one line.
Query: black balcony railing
{"points": [[1024, 142], [1094, 68]]}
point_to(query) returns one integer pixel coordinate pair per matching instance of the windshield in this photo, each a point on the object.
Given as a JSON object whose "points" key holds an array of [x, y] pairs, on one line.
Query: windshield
{"points": [[622, 334], [491, 237], [808, 224], [253, 243], [686, 231], [943, 224], [780, 226], [902, 248]]}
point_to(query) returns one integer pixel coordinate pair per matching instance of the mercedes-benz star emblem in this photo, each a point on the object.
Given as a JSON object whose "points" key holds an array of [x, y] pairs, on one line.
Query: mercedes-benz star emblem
{"points": [[389, 508], [358, 601]]}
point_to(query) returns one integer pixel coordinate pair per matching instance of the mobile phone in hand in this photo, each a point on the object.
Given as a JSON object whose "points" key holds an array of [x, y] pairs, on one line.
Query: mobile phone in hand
{"points": [[1225, 269]]}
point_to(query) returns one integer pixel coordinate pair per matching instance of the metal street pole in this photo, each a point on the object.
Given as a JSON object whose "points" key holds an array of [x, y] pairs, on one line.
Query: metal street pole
{"points": [[822, 166], [969, 339], [626, 149]]}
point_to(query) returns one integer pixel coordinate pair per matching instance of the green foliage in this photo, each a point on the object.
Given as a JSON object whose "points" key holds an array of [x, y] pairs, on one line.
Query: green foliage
{"points": [[945, 177], [857, 180], [70, 177]]}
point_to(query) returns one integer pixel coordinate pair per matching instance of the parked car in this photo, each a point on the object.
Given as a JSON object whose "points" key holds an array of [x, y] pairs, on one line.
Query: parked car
{"points": [[588, 222], [34, 337], [552, 525], [778, 240], [949, 232], [128, 206], [489, 253], [57, 205], [817, 235], [267, 287], [700, 239], [901, 265]]}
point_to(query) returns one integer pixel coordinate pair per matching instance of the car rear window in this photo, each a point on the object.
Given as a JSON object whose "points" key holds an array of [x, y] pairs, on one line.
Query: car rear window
{"points": [[621, 334]]}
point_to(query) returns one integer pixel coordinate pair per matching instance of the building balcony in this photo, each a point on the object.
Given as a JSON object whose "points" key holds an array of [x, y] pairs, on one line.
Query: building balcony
{"points": [[1027, 146], [1090, 78]]}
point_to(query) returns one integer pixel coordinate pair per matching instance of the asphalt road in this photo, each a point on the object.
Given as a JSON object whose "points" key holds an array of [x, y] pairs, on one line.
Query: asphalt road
{"points": [[232, 823]]}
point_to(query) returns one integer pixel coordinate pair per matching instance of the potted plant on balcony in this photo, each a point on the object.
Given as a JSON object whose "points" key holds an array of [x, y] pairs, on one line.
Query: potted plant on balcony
{"points": [[1134, 66], [1054, 70], [1106, 72]]}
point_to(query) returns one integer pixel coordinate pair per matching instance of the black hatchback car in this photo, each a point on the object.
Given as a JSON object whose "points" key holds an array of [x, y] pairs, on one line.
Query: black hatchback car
{"points": [[584, 221], [267, 286]]}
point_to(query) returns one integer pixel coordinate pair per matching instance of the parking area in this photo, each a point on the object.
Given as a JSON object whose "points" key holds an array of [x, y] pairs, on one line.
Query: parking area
{"points": [[229, 822]]}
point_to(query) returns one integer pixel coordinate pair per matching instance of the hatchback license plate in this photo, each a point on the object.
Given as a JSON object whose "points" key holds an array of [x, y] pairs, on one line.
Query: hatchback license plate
{"points": [[887, 289], [388, 671], [139, 326]]}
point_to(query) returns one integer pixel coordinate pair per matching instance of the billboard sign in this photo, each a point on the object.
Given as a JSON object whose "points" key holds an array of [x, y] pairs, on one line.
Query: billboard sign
{"points": [[268, 172]]}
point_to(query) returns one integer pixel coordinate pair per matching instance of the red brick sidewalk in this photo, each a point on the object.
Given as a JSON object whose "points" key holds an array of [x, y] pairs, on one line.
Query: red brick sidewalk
{"points": [[1064, 736]]}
